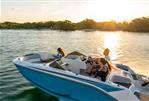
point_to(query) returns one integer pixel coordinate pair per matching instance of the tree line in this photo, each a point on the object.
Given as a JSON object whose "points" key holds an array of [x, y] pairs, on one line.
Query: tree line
{"points": [[135, 25]]}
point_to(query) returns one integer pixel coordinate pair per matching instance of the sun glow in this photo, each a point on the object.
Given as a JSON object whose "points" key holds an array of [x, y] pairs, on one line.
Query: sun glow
{"points": [[73, 10], [108, 10]]}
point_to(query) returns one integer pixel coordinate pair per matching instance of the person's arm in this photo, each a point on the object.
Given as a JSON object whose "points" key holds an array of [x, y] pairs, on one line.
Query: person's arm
{"points": [[93, 66]]}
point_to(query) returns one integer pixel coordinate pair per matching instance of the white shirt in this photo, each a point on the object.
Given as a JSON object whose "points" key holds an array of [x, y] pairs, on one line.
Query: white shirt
{"points": [[107, 58]]}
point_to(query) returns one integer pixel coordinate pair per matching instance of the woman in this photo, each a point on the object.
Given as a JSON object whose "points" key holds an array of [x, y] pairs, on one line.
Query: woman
{"points": [[60, 53], [103, 69], [106, 54], [94, 66]]}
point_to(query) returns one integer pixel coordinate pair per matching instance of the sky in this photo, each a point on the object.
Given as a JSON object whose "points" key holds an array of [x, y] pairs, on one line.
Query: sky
{"points": [[73, 10]]}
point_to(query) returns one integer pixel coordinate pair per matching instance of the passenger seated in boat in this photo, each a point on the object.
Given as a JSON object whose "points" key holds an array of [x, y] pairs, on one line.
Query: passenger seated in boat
{"points": [[106, 54], [60, 53], [89, 64], [102, 69], [90, 60], [94, 66]]}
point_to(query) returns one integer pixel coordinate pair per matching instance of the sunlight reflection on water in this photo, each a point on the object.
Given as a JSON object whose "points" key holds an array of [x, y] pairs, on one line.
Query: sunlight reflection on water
{"points": [[111, 41]]}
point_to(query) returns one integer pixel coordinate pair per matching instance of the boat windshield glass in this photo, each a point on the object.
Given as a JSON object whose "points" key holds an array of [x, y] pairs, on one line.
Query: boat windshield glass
{"points": [[56, 65]]}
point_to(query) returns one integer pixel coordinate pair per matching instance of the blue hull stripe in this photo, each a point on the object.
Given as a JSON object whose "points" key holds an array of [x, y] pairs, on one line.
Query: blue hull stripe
{"points": [[108, 88]]}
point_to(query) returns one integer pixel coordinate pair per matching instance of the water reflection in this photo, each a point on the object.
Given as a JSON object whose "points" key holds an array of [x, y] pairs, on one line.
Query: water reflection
{"points": [[111, 41], [32, 95]]}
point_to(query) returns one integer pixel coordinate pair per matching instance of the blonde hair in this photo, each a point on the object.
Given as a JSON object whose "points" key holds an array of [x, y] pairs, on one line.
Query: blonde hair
{"points": [[61, 50], [106, 52]]}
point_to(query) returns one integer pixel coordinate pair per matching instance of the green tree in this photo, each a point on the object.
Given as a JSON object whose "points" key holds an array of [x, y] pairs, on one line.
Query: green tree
{"points": [[86, 24], [139, 25]]}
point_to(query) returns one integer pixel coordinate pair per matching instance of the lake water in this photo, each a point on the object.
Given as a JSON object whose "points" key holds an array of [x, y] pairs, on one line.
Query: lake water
{"points": [[126, 47]]}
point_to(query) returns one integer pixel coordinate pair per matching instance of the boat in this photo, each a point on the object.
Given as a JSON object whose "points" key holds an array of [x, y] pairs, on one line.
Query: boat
{"points": [[67, 80]]}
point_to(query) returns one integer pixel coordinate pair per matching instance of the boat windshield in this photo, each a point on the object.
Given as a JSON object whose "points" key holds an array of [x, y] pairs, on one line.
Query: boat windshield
{"points": [[56, 65]]}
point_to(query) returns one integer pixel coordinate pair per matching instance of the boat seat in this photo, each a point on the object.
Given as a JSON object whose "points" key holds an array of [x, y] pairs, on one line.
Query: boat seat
{"points": [[46, 57], [74, 65], [29, 57], [83, 72]]}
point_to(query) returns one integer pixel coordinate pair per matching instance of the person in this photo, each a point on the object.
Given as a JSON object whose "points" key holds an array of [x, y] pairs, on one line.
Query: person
{"points": [[102, 69], [94, 66], [89, 60], [89, 64], [106, 54], [60, 53]]}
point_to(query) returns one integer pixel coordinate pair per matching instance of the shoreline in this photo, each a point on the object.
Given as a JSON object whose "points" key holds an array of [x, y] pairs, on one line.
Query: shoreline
{"points": [[85, 30], [135, 25]]}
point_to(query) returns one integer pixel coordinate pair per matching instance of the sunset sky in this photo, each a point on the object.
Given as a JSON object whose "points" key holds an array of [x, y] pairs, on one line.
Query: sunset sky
{"points": [[74, 10]]}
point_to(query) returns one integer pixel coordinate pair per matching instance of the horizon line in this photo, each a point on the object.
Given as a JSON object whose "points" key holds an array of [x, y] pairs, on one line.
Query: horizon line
{"points": [[129, 20]]}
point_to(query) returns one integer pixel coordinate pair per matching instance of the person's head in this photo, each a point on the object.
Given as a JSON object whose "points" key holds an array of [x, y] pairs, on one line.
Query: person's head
{"points": [[106, 52], [90, 58], [103, 61], [60, 50]]}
